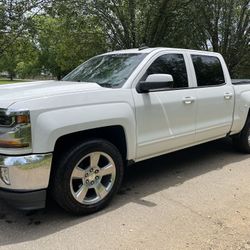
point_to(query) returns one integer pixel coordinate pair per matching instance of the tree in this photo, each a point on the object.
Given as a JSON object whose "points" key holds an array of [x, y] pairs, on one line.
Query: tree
{"points": [[224, 26], [64, 43], [242, 70], [60, 34], [16, 16], [20, 58], [130, 23], [52, 38]]}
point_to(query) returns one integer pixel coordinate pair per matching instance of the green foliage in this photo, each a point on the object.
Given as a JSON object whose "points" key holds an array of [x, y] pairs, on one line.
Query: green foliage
{"points": [[225, 28], [54, 36], [65, 43], [20, 58], [39, 36], [130, 23], [15, 19]]}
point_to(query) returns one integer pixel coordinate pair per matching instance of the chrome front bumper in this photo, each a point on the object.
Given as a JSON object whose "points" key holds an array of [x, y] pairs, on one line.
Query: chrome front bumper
{"points": [[25, 173]]}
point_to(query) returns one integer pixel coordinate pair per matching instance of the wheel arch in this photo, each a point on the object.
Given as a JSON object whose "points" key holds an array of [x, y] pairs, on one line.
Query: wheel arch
{"points": [[114, 134]]}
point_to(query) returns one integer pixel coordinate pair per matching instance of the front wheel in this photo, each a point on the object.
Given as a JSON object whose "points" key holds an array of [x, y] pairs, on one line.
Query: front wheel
{"points": [[242, 141], [87, 178]]}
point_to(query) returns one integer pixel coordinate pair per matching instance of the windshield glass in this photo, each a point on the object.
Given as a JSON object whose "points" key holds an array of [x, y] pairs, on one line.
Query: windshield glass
{"points": [[108, 71]]}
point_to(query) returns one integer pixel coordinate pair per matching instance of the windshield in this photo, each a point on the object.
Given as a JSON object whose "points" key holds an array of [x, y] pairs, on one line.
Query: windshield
{"points": [[108, 70]]}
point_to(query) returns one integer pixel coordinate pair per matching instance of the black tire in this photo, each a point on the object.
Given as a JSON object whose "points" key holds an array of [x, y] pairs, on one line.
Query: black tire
{"points": [[241, 141], [61, 182]]}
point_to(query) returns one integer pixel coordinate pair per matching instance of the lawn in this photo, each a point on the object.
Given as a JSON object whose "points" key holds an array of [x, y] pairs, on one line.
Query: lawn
{"points": [[5, 81]]}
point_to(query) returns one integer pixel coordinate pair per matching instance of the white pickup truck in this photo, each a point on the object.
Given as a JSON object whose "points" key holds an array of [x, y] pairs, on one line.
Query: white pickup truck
{"points": [[74, 137]]}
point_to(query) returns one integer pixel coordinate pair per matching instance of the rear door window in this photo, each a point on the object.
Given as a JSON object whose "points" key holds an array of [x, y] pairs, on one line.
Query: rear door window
{"points": [[208, 70]]}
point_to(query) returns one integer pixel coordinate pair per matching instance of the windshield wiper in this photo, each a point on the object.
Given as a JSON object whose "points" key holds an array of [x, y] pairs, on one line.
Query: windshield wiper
{"points": [[106, 84]]}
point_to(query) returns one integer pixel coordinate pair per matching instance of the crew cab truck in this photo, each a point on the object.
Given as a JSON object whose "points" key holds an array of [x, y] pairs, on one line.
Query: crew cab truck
{"points": [[74, 137]]}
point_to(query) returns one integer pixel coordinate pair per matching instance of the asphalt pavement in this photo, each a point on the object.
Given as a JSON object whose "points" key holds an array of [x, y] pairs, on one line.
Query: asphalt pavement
{"points": [[197, 198]]}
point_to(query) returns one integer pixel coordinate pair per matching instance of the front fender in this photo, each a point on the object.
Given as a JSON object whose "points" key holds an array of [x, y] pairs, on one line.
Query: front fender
{"points": [[52, 125]]}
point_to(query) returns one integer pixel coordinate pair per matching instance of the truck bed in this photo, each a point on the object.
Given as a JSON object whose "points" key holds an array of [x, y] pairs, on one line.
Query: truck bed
{"points": [[240, 81]]}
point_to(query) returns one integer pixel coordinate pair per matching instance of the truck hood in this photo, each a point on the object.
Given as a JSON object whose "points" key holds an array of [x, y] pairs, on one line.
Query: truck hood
{"points": [[12, 93]]}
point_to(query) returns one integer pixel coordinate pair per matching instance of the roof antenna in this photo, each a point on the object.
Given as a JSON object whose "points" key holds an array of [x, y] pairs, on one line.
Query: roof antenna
{"points": [[143, 46]]}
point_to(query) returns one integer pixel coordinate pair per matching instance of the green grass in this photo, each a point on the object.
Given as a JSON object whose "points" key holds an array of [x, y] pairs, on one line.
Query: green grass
{"points": [[4, 81]]}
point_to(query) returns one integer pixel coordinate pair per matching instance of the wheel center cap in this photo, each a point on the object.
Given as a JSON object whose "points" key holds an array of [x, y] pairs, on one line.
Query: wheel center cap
{"points": [[91, 176]]}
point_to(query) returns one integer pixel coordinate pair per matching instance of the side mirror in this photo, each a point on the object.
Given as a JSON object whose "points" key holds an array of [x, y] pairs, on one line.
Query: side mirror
{"points": [[155, 82]]}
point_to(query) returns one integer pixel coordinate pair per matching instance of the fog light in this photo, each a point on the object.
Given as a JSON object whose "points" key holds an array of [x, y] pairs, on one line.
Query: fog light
{"points": [[4, 175]]}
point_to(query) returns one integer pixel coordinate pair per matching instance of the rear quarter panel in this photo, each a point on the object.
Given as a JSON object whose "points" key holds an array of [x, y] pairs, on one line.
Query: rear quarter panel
{"points": [[242, 105]]}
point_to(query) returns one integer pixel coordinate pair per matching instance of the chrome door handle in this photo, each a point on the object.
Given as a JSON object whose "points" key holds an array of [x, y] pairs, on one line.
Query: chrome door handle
{"points": [[228, 96], [188, 100]]}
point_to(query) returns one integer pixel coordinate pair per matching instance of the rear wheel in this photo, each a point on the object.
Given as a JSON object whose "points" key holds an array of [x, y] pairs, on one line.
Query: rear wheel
{"points": [[242, 141], [87, 178]]}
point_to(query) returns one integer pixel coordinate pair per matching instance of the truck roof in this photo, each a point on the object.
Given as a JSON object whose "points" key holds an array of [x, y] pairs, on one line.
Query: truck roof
{"points": [[157, 49]]}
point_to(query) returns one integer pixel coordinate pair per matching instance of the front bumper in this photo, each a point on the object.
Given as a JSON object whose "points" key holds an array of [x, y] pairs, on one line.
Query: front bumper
{"points": [[24, 179], [24, 200]]}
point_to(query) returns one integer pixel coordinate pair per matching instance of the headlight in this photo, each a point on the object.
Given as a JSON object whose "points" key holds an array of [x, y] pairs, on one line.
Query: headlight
{"points": [[15, 129]]}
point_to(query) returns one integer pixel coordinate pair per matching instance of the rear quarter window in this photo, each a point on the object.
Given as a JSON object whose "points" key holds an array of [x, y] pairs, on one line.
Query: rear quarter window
{"points": [[208, 70]]}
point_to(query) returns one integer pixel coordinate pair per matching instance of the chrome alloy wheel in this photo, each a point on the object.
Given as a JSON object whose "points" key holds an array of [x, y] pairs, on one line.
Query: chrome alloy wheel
{"points": [[92, 178]]}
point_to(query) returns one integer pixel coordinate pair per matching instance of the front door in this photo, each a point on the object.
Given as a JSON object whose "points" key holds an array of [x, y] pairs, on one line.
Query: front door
{"points": [[166, 119]]}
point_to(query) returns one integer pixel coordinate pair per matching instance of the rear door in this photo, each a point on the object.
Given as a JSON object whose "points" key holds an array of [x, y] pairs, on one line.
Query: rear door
{"points": [[215, 98]]}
